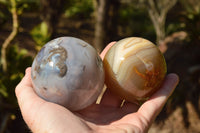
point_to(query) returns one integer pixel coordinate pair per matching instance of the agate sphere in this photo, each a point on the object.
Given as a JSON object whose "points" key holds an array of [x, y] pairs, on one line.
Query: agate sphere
{"points": [[69, 72], [134, 69]]}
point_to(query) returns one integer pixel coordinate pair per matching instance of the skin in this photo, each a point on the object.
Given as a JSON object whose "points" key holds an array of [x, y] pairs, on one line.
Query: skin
{"points": [[107, 117]]}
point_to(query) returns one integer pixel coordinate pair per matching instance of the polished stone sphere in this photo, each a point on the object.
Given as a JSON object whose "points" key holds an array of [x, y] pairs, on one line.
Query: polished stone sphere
{"points": [[69, 72], [134, 69]]}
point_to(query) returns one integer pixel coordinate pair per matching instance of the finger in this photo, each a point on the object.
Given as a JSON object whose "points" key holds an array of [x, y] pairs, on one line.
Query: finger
{"points": [[145, 115], [152, 107], [103, 53]]}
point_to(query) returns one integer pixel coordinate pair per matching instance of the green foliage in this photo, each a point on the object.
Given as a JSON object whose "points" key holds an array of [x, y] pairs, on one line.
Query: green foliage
{"points": [[3, 90], [40, 35], [190, 18], [18, 61], [187, 19], [135, 21], [4, 1], [192, 6], [80, 9], [192, 26], [27, 5], [4, 14], [21, 4], [174, 27]]}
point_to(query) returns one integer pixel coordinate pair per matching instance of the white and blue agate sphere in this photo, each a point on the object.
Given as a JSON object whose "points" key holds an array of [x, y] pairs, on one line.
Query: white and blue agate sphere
{"points": [[69, 72]]}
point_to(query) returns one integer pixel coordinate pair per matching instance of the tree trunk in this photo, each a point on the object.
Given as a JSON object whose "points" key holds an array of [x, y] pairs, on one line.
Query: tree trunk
{"points": [[106, 22], [101, 24], [113, 20]]}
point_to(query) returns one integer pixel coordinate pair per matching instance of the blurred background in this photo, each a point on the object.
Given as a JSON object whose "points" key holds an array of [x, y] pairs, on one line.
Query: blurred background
{"points": [[173, 25]]}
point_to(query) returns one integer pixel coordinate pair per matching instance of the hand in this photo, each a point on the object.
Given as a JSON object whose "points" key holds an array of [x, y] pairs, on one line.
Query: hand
{"points": [[107, 117]]}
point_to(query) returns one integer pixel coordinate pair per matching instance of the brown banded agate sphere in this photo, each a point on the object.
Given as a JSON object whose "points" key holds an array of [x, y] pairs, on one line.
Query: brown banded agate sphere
{"points": [[134, 69]]}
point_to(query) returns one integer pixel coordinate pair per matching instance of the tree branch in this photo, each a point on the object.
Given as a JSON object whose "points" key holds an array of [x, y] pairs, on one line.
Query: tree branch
{"points": [[11, 36], [158, 10], [166, 7], [152, 8]]}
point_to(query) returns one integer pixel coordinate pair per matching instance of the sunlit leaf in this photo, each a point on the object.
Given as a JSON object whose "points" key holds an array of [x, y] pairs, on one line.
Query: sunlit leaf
{"points": [[3, 91], [4, 1], [40, 34]]}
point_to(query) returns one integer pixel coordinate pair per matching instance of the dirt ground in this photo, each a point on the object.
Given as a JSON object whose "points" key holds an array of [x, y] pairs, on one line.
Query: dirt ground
{"points": [[182, 112], [175, 122]]}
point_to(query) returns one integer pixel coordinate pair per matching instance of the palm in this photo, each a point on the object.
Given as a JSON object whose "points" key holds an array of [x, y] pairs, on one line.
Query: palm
{"points": [[107, 111], [108, 115]]}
